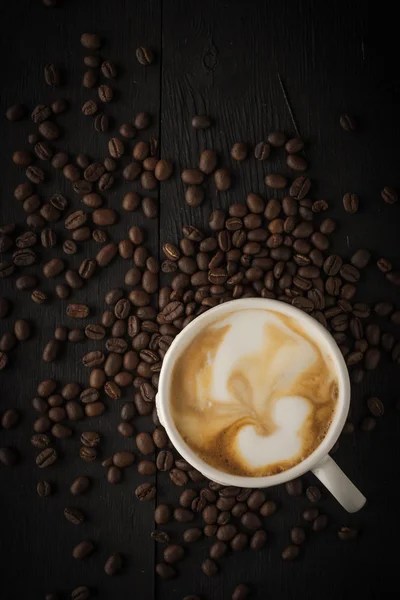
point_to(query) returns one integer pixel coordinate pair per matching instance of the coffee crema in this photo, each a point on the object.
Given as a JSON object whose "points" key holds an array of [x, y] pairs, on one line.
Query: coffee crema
{"points": [[253, 394]]}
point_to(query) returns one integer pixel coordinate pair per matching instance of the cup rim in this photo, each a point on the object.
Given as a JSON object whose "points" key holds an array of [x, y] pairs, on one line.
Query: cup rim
{"points": [[164, 413]]}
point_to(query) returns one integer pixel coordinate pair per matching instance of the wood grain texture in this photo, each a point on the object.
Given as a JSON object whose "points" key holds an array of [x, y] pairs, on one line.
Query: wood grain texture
{"points": [[222, 59], [36, 542]]}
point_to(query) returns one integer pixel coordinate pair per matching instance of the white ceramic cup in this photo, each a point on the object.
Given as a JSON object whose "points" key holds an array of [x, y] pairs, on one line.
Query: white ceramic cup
{"points": [[319, 462]]}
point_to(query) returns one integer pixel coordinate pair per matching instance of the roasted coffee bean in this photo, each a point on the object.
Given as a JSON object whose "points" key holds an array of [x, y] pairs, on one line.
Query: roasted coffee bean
{"points": [[114, 475], [239, 151], [82, 187], [387, 341], [25, 282], [40, 440], [375, 406], [77, 311], [209, 567], [114, 563], [48, 238], [145, 491], [268, 508], [52, 74], [191, 535], [22, 330], [8, 341], [59, 160], [389, 195], [110, 164], [241, 592], [146, 467], [310, 514], [218, 550], [320, 523], [92, 61], [222, 179], [74, 410], [294, 487], [349, 273], [373, 334], [277, 139], [360, 258], [192, 176], [347, 122], [194, 195], [83, 549], [73, 515], [201, 122], [80, 593], [372, 358], [93, 173], [10, 418], [393, 277], [144, 443], [108, 69], [101, 123], [44, 152], [6, 242], [296, 162], [165, 571], [297, 535], [384, 265], [262, 151], [51, 351], [49, 130], [208, 161], [251, 521], [59, 106], [24, 257], [162, 169], [91, 41], [127, 131], [144, 56], [105, 93], [320, 206], [16, 112], [46, 458], [9, 457], [112, 390], [300, 187], [178, 477], [226, 532], [123, 459], [131, 201], [173, 553], [351, 203], [290, 553], [43, 489], [183, 515], [276, 181], [313, 494]]}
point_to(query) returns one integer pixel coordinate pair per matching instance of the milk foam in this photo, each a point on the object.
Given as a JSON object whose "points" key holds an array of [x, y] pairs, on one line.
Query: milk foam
{"points": [[282, 445], [248, 391]]}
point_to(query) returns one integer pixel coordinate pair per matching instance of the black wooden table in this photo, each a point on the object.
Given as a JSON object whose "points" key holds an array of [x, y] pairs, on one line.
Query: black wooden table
{"points": [[223, 59]]}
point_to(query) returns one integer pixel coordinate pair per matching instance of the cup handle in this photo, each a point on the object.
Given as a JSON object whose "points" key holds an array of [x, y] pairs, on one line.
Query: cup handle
{"points": [[339, 484]]}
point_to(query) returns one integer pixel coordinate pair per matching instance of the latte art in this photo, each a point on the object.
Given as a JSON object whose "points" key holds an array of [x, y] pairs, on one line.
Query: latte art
{"points": [[253, 394]]}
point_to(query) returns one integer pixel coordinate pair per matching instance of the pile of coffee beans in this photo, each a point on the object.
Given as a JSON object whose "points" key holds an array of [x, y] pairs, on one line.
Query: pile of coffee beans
{"points": [[265, 247]]}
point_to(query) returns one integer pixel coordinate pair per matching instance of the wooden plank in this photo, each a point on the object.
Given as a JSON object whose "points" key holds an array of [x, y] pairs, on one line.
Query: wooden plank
{"points": [[36, 541], [223, 59]]}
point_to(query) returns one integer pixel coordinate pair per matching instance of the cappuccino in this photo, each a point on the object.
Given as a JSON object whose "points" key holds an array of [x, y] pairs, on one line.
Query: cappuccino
{"points": [[253, 394]]}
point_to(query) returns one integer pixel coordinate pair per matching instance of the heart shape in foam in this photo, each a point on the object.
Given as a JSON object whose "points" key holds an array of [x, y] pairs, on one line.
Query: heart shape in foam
{"points": [[284, 443]]}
